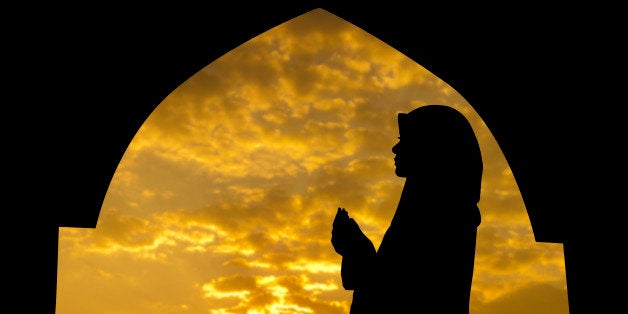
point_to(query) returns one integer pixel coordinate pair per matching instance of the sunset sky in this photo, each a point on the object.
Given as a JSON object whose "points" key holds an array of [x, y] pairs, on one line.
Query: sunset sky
{"points": [[224, 199]]}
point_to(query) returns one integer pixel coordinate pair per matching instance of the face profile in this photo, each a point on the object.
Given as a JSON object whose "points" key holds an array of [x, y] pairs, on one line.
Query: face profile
{"points": [[397, 149], [435, 140]]}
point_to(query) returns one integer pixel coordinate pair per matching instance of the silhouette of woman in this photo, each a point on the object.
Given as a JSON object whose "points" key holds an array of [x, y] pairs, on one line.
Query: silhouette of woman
{"points": [[425, 260]]}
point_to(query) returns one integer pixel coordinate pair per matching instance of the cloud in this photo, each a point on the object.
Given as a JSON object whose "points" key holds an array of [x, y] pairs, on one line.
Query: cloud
{"points": [[272, 294], [532, 299]]}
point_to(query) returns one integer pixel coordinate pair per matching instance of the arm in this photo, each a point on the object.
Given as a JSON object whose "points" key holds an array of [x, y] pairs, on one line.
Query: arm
{"points": [[356, 249]]}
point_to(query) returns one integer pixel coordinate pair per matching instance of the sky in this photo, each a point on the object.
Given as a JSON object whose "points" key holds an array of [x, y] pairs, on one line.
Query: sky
{"points": [[224, 199]]}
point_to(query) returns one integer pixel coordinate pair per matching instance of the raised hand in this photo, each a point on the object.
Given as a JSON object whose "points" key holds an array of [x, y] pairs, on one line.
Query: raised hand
{"points": [[341, 231], [342, 217], [346, 235]]}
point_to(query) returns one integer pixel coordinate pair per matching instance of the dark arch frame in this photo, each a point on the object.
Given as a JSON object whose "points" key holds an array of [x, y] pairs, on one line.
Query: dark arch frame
{"points": [[107, 70]]}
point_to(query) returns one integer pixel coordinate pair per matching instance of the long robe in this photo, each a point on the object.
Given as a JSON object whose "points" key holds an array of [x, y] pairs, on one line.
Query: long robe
{"points": [[423, 265]]}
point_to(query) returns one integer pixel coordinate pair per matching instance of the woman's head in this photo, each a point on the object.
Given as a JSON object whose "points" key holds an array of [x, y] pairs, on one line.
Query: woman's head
{"points": [[436, 142]]}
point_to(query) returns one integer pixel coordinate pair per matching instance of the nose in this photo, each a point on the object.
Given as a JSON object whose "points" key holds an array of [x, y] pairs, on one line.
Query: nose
{"points": [[395, 148]]}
